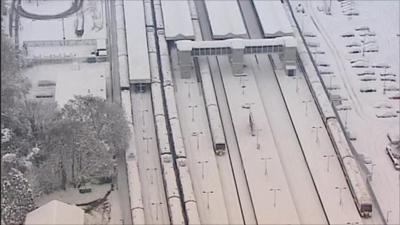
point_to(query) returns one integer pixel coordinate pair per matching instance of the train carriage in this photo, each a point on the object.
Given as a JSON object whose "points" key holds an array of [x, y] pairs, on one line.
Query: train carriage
{"points": [[177, 138], [351, 169]]}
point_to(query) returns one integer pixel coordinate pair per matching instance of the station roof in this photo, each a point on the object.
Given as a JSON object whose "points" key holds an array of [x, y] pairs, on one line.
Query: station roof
{"points": [[139, 68], [273, 18], [225, 19], [177, 20]]}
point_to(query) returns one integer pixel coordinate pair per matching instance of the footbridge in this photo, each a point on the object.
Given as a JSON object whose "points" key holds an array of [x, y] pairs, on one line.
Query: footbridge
{"points": [[285, 47]]}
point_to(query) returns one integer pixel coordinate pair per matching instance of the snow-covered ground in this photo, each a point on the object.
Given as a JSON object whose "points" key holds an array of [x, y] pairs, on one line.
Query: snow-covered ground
{"points": [[34, 30], [382, 18], [74, 78], [89, 79]]}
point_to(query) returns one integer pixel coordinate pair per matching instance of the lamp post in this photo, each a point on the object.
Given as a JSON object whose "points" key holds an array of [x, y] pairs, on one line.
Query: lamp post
{"points": [[387, 215], [340, 193], [156, 204], [147, 139], [275, 190], [258, 143], [193, 107], [151, 175], [316, 133], [371, 172], [208, 197], [265, 159], [202, 167], [197, 135], [328, 157], [242, 84], [189, 87], [297, 77], [143, 120], [306, 102]]}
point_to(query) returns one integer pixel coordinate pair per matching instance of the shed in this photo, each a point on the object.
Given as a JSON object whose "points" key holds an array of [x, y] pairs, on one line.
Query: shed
{"points": [[56, 213]]}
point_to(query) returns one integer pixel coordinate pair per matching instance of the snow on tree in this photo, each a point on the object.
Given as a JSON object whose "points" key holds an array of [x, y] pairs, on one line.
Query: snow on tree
{"points": [[105, 118], [16, 199]]}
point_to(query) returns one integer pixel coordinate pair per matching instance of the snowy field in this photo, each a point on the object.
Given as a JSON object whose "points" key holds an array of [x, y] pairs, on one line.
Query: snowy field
{"points": [[375, 31], [89, 79]]}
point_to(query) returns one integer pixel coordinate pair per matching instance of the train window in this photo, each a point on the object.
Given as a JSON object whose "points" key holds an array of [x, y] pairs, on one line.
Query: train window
{"points": [[213, 52], [366, 208], [220, 146]]}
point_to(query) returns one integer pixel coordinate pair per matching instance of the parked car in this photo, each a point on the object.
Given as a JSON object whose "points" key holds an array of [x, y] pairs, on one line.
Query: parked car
{"points": [[393, 157]]}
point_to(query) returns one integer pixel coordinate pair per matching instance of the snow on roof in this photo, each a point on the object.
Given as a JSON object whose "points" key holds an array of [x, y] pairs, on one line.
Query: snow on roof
{"points": [[139, 68], [177, 19], [187, 45], [225, 19], [56, 212], [273, 18]]}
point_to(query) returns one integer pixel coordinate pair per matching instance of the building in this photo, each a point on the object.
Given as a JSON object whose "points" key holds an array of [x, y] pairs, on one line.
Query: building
{"points": [[56, 213]]}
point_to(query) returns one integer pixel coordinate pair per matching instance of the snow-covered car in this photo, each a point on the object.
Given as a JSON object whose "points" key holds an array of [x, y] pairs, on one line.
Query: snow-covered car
{"points": [[388, 75], [323, 64], [362, 28], [347, 34], [368, 33], [387, 114], [381, 65], [366, 73], [355, 50], [319, 52], [395, 96], [353, 12], [343, 108], [358, 60], [360, 64], [383, 105], [391, 79], [395, 160], [324, 71], [313, 44], [353, 44], [371, 48], [368, 78], [309, 34], [367, 89], [333, 87], [392, 88]]}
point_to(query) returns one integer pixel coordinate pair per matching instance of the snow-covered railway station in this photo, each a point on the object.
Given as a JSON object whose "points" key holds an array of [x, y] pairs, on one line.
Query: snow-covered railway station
{"points": [[233, 112]]}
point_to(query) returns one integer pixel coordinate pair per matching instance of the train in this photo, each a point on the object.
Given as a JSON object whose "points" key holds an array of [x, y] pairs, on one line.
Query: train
{"points": [[348, 162], [212, 110], [122, 47], [179, 154], [134, 187], [351, 169]]}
